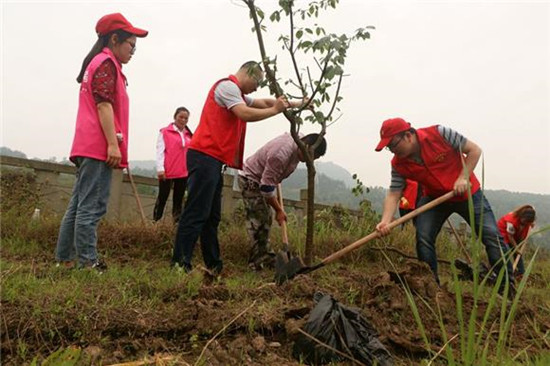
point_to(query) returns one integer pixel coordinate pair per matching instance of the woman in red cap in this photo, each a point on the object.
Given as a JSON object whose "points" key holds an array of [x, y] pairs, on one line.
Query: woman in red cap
{"points": [[100, 142]]}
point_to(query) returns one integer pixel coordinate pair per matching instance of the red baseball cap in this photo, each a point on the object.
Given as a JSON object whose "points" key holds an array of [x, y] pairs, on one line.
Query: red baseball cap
{"points": [[390, 128], [112, 22]]}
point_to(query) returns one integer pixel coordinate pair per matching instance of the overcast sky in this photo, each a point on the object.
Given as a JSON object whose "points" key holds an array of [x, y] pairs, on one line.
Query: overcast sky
{"points": [[479, 67]]}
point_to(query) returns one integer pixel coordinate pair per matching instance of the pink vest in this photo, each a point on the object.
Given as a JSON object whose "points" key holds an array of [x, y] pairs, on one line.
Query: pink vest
{"points": [[175, 154], [220, 133], [89, 140]]}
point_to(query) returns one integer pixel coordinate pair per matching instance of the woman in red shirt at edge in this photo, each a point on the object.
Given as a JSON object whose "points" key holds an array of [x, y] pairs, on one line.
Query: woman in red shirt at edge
{"points": [[408, 202], [515, 226]]}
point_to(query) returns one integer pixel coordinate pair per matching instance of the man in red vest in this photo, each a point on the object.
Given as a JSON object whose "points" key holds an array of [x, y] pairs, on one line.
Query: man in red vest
{"points": [[441, 160], [218, 141]]}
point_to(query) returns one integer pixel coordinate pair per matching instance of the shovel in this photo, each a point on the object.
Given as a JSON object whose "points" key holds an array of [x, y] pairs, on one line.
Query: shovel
{"points": [[287, 270]]}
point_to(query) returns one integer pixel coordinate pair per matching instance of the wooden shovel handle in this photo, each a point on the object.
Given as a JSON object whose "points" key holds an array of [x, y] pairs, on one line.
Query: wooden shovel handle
{"points": [[334, 256], [136, 195], [283, 226]]}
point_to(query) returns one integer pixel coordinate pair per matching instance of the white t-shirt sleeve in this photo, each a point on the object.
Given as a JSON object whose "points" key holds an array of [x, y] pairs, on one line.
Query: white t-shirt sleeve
{"points": [[160, 153], [228, 95], [510, 229]]}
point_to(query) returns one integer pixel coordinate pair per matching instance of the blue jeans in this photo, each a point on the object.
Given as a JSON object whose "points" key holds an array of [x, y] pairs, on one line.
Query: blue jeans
{"points": [[78, 232], [429, 223], [202, 213]]}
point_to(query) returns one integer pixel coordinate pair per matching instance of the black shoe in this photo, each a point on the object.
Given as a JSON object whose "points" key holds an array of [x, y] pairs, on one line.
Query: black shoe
{"points": [[466, 272], [182, 268], [99, 266], [511, 290]]}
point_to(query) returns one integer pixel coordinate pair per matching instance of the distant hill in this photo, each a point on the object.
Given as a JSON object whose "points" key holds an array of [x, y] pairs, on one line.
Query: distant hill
{"points": [[14, 153], [330, 169], [146, 168], [335, 172]]}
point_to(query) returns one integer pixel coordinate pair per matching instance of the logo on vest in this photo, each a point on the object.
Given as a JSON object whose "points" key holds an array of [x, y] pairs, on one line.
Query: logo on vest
{"points": [[440, 157]]}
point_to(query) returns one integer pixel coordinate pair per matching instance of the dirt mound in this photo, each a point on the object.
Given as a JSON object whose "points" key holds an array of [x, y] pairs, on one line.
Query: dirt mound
{"points": [[227, 323]]}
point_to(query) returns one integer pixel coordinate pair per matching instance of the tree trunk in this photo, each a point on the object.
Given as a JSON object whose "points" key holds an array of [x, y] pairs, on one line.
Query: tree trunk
{"points": [[310, 249]]}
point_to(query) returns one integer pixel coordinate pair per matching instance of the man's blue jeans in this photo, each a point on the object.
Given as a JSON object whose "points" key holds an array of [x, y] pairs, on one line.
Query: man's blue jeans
{"points": [[78, 232], [429, 223], [202, 213]]}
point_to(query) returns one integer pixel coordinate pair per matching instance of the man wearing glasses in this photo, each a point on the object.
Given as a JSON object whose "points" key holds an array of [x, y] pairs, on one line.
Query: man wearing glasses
{"points": [[441, 160], [219, 141]]}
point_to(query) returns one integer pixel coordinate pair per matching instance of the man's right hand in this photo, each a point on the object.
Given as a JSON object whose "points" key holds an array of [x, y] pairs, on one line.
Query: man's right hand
{"points": [[161, 175], [113, 156], [281, 104], [280, 216], [383, 228]]}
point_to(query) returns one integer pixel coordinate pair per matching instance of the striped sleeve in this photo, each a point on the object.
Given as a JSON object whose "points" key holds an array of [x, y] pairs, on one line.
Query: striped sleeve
{"points": [[397, 181], [454, 139]]}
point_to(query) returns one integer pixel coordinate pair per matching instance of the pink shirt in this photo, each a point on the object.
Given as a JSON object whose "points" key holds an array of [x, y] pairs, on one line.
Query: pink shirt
{"points": [[273, 162], [89, 140]]}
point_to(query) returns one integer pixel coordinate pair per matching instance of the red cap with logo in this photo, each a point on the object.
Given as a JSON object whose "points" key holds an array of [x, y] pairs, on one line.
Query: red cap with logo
{"points": [[112, 22], [390, 128]]}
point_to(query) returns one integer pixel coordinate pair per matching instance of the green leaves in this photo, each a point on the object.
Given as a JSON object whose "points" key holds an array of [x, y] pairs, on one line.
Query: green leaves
{"points": [[320, 77], [275, 17]]}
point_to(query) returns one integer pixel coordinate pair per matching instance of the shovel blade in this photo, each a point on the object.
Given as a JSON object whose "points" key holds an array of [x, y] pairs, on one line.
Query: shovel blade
{"points": [[287, 267]]}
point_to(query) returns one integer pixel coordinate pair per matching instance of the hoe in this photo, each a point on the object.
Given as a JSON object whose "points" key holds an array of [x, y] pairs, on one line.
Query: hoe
{"points": [[288, 267]]}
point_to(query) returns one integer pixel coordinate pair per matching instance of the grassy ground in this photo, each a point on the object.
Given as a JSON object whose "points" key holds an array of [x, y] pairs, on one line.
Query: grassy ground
{"points": [[140, 310]]}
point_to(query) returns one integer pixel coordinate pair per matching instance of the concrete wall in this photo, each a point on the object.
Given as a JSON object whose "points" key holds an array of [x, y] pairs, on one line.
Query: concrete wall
{"points": [[57, 182]]}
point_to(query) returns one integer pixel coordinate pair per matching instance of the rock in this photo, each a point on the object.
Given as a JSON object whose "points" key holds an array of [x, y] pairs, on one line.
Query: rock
{"points": [[93, 352], [258, 344]]}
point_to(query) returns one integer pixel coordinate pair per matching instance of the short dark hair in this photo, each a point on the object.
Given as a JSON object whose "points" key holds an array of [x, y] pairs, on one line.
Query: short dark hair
{"points": [[252, 66], [180, 109], [319, 150], [411, 130]]}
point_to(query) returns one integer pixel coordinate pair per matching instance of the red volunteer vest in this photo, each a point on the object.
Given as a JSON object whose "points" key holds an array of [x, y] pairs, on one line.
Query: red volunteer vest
{"points": [[175, 154], [442, 165], [515, 221], [220, 133]]}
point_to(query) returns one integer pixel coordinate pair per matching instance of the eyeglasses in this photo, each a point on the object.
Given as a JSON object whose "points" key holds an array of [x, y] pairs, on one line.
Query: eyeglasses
{"points": [[392, 146], [133, 45], [257, 78]]}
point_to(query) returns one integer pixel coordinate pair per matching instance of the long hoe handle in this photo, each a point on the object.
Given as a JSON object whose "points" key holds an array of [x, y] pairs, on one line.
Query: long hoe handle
{"points": [[136, 195], [462, 246], [359, 243]]}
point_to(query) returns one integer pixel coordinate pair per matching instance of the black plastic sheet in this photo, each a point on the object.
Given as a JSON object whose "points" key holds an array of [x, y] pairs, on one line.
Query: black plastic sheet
{"points": [[343, 329]]}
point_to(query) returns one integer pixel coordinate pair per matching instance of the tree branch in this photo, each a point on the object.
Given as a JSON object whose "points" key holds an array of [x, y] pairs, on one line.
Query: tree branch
{"points": [[336, 94], [291, 49]]}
